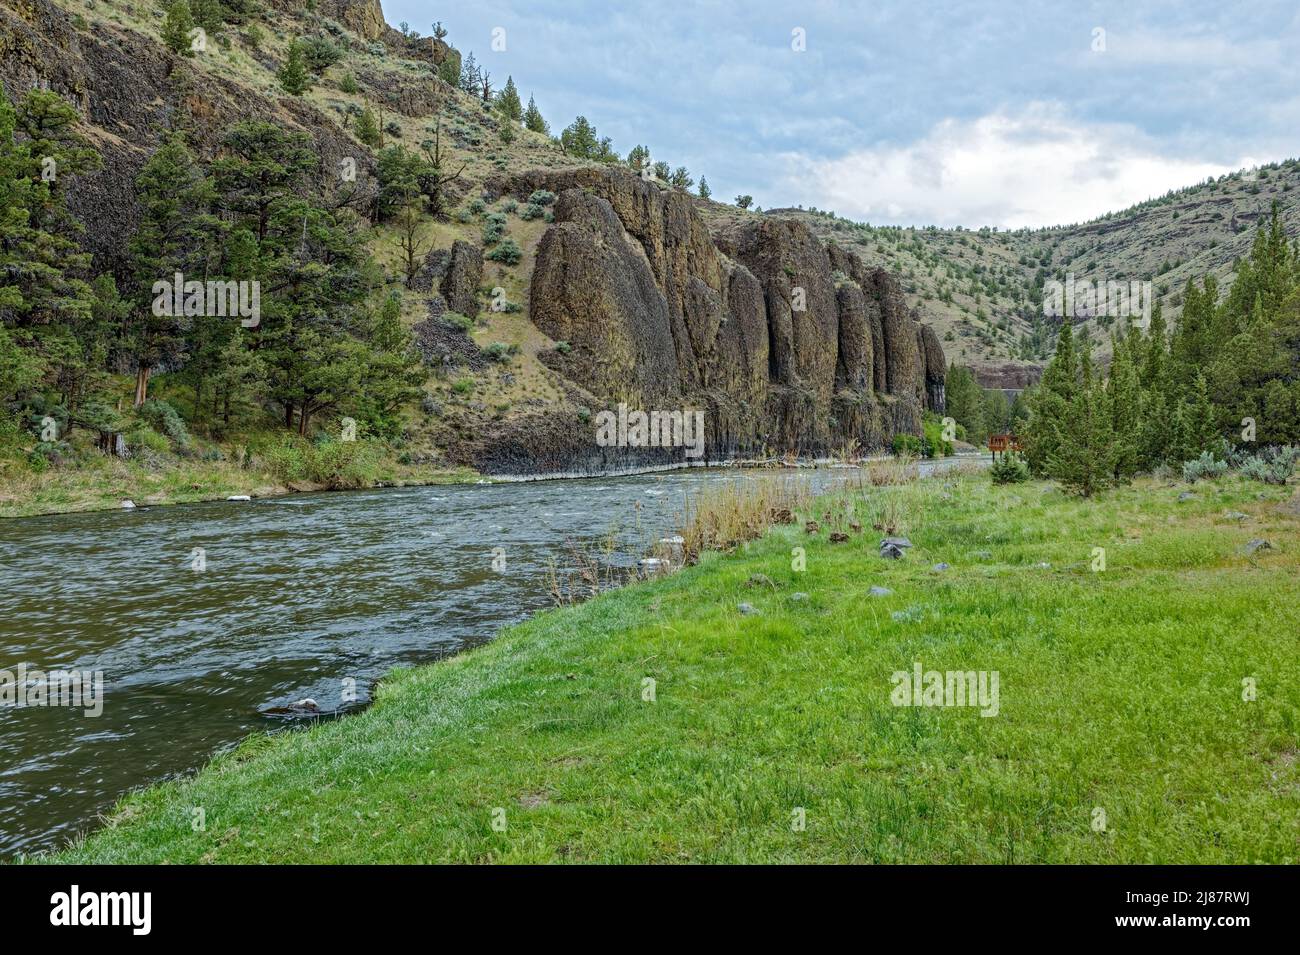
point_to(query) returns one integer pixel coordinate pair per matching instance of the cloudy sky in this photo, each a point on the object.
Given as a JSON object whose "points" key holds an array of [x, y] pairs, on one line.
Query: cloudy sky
{"points": [[909, 111]]}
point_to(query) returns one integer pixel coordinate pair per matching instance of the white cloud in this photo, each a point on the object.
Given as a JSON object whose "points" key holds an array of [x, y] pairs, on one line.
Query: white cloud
{"points": [[1035, 167]]}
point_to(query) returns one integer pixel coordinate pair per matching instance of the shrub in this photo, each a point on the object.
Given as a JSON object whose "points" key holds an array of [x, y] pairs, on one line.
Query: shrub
{"points": [[501, 352], [319, 53], [463, 322], [334, 464], [510, 205], [1009, 469], [165, 419], [463, 386], [906, 444], [1205, 467], [349, 84], [563, 347], [494, 227], [1272, 465], [507, 253], [542, 197], [532, 211], [477, 206]]}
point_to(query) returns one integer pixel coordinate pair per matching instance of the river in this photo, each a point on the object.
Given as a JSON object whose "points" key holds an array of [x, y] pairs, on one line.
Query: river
{"points": [[202, 617]]}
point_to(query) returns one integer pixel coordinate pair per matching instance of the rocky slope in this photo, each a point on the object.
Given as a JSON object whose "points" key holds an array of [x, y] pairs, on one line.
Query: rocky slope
{"points": [[632, 294]]}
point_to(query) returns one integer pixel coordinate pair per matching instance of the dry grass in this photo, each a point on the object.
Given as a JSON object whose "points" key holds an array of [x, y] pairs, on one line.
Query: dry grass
{"points": [[896, 471], [722, 517]]}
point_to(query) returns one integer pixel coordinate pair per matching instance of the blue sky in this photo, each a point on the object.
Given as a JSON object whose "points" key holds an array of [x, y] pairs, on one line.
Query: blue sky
{"points": [[957, 113]]}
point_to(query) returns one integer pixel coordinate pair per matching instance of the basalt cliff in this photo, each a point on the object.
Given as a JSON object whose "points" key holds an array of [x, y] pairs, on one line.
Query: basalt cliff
{"points": [[630, 292]]}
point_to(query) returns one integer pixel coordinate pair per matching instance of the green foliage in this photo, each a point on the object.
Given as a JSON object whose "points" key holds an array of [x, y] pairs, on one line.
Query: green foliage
{"points": [[533, 119], [367, 128], [579, 139], [293, 75], [704, 190], [494, 227], [1272, 465], [745, 201], [319, 54], [906, 444], [1009, 468], [508, 101], [349, 84], [176, 28], [166, 420], [1203, 468], [507, 252], [332, 464]]}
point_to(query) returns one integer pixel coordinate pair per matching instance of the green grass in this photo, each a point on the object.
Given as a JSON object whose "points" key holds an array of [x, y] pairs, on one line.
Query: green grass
{"points": [[1119, 690]]}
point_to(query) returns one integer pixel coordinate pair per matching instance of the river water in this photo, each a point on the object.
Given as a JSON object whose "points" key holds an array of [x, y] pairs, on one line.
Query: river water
{"points": [[311, 596]]}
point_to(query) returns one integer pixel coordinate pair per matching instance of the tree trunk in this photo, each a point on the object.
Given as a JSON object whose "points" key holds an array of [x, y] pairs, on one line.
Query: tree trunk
{"points": [[142, 385], [288, 415]]}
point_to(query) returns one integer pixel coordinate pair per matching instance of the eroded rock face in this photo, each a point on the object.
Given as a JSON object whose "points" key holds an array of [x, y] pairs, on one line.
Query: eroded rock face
{"points": [[786, 343], [461, 280], [131, 92]]}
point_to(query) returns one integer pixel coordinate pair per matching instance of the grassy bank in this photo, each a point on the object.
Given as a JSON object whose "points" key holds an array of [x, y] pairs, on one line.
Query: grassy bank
{"points": [[94, 482], [1121, 692]]}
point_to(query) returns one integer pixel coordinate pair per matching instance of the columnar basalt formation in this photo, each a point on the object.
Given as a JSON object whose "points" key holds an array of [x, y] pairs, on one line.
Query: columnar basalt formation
{"points": [[786, 343]]}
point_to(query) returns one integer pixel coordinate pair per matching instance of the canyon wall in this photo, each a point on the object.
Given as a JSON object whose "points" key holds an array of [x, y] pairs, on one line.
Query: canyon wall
{"points": [[787, 344]]}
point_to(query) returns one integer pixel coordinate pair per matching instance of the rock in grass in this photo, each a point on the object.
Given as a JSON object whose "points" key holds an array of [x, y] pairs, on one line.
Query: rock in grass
{"points": [[1257, 543], [1236, 515], [1186, 496], [760, 580], [890, 551], [747, 609], [984, 554], [902, 542], [798, 597], [880, 591], [652, 567], [941, 566]]}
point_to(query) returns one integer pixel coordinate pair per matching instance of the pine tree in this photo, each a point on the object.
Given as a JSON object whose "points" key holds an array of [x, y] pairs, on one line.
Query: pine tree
{"points": [[367, 129], [533, 119], [508, 101], [177, 234], [176, 28], [293, 75], [704, 190], [1082, 456], [1125, 396], [1051, 400]]}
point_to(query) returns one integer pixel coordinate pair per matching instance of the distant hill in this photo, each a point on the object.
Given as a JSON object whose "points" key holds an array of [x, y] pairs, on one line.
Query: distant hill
{"points": [[981, 289]]}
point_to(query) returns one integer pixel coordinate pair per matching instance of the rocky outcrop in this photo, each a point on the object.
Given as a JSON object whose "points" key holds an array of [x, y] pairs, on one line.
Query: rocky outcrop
{"points": [[131, 92], [785, 343], [461, 280]]}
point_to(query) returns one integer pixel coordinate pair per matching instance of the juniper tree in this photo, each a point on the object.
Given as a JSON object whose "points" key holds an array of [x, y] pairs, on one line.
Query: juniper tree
{"points": [[176, 28], [508, 101], [177, 234], [293, 75], [533, 119]]}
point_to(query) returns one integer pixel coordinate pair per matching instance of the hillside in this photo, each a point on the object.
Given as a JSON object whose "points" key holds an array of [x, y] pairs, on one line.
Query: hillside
{"points": [[544, 281], [647, 297], [982, 289]]}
